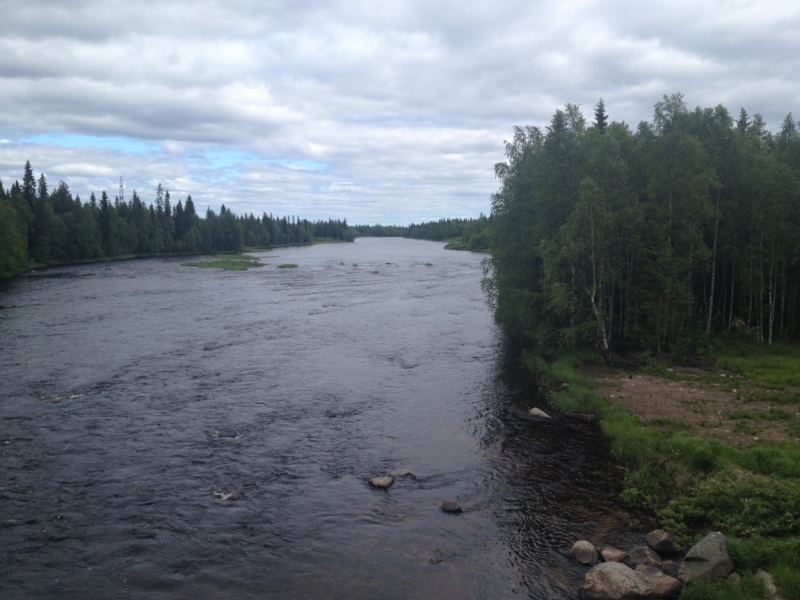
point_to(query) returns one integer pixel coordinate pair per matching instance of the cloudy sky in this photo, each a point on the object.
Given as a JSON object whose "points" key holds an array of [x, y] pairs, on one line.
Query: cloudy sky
{"points": [[384, 112]]}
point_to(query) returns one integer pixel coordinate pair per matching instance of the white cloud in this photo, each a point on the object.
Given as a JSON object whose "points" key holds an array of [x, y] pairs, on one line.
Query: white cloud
{"points": [[275, 105]]}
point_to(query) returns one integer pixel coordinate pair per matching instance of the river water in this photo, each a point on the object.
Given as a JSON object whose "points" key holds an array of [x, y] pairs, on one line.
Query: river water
{"points": [[172, 432]]}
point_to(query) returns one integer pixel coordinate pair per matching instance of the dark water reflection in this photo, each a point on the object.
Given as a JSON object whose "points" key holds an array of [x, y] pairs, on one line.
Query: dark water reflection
{"points": [[169, 432]]}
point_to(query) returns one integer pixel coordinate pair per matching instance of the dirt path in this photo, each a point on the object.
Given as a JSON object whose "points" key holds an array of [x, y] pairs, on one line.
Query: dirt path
{"points": [[702, 407]]}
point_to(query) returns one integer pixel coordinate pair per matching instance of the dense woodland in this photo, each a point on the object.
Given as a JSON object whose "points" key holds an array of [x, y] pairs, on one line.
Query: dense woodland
{"points": [[648, 241], [38, 226], [474, 231]]}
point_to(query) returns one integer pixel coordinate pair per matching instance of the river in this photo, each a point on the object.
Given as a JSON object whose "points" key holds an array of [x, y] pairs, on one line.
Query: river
{"points": [[173, 432]]}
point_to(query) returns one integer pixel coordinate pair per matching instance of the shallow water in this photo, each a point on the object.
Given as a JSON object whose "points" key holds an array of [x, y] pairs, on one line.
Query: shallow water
{"points": [[172, 432]]}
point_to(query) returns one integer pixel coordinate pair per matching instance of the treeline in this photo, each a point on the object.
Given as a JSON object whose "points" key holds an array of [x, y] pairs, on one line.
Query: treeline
{"points": [[651, 240], [473, 232], [38, 226]]}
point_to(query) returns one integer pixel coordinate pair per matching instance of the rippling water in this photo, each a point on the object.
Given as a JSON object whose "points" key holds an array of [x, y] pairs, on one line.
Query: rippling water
{"points": [[170, 432]]}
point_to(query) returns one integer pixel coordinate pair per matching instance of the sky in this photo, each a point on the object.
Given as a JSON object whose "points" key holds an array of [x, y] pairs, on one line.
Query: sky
{"points": [[378, 112]]}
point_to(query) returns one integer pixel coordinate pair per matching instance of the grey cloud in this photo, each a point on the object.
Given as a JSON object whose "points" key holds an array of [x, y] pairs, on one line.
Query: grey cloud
{"points": [[409, 102]]}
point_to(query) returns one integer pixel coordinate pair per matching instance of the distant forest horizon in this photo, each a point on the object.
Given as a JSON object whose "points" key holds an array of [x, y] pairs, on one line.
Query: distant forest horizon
{"points": [[43, 227]]}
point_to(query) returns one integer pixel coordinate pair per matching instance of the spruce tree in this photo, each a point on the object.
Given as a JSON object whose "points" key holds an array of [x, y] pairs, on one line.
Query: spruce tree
{"points": [[600, 117]]}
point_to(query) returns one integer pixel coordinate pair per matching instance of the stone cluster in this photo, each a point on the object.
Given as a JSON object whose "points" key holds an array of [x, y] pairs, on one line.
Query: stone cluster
{"points": [[649, 571]]}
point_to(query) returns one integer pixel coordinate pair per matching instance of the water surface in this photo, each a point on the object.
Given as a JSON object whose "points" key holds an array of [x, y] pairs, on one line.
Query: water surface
{"points": [[171, 432]]}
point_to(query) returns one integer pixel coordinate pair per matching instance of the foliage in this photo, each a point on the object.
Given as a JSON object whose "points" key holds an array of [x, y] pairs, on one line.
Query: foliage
{"points": [[42, 227], [287, 266], [654, 241], [461, 234], [694, 485]]}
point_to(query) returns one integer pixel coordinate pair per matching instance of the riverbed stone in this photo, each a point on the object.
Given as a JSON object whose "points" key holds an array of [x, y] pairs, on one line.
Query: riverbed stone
{"points": [[611, 554], [664, 586], [615, 581], [584, 552], [537, 412], [381, 482], [643, 555], [451, 506], [707, 560], [661, 541]]}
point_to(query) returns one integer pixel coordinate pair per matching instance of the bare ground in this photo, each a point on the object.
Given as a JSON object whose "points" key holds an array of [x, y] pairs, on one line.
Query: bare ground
{"points": [[700, 406]]}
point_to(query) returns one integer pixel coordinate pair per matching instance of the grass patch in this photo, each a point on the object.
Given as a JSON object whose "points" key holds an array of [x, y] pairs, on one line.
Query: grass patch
{"points": [[773, 367], [749, 588], [694, 485], [227, 262], [287, 266]]}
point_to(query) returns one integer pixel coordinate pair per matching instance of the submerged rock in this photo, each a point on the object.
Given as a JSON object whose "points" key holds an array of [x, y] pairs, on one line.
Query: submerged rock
{"points": [[537, 412], [402, 474], [615, 581], [584, 552], [451, 506], [707, 560], [381, 482], [661, 541], [583, 417]]}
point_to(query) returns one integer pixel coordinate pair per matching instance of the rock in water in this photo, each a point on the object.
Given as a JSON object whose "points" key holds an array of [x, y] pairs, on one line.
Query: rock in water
{"points": [[536, 412], [611, 554], [381, 482], [642, 555], [451, 506], [615, 581], [664, 586], [707, 560], [661, 541], [584, 552]]}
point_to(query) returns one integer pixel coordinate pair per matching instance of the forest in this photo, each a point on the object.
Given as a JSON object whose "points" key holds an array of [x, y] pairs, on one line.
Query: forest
{"points": [[648, 241], [39, 227], [42, 227]]}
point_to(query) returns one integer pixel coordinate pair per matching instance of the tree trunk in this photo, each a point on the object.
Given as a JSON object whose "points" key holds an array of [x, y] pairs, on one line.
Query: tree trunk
{"points": [[713, 269]]}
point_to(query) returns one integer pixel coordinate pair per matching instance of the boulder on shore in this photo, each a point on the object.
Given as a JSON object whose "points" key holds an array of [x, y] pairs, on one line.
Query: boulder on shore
{"points": [[769, 582], [584, 552], [611, 554], [661, 541], [451, 506], [643, 555], [707, 560], [381, 482], [664, 586], [615, 581]]}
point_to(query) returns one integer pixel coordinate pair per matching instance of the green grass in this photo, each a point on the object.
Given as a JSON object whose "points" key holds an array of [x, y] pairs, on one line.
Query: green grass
{"points": [[287, 266], [227, 262], [749, 588], [773, 367], [694, 485]]}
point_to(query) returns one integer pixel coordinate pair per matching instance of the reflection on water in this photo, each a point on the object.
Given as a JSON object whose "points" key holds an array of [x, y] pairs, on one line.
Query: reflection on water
{"points": [[168, 432]]}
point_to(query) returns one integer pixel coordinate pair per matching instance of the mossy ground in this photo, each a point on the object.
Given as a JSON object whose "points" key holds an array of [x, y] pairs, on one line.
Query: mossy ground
{"points": [[228, 262], [693, 483]]}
